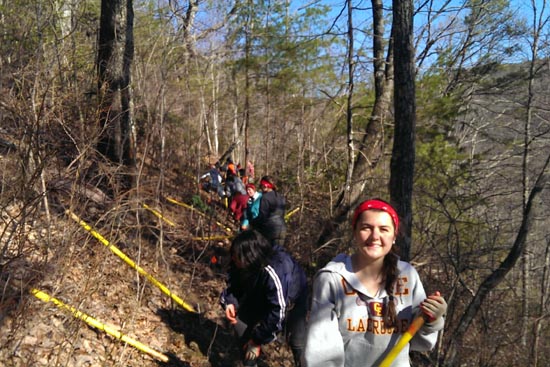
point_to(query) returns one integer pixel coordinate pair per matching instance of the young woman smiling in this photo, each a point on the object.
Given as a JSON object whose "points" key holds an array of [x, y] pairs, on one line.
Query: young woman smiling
{"points": [[362, 303]]}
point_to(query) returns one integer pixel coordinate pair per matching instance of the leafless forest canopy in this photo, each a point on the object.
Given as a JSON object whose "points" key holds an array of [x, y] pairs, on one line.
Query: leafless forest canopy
{"points": [[111, 110]]}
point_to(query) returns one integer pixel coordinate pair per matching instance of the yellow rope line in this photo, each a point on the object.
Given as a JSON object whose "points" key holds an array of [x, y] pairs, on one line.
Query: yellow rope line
{"points": [[129, 261], [174, 201], [99, 325], [159, 215], [290, 213]]}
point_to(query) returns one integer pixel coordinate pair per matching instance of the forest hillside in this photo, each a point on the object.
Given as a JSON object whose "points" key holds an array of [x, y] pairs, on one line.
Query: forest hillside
{"points": [[110, 111], [56, 253]]}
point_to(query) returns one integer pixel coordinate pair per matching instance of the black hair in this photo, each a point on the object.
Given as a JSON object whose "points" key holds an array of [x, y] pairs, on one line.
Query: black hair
{"points": [[251, 249]]}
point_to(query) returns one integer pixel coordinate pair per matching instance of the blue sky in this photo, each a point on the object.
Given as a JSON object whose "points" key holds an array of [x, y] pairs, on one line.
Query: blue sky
{"points": [[362, 15]]}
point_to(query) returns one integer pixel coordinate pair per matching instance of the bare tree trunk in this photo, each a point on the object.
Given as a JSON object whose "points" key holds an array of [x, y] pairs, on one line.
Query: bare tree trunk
{"points": [[371, 149], [268, 149], [189, 20], [403, 152], [115, 56], [247, 51], [65, 15], [186, 15], [349, 107], [243, 127]]}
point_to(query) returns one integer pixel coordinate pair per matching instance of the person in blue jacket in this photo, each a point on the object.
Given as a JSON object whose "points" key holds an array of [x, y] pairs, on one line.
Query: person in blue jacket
{"points": [[266, 294], [211, 181], [252, 206]]}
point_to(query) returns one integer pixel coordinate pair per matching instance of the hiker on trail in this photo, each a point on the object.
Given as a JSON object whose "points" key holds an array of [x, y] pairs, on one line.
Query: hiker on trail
{"points": [[363, 303], [266, 295], [211, 181], [231, 170], [236, 191], [252, 206], [271, 218], [238, 206], [234, 185]]}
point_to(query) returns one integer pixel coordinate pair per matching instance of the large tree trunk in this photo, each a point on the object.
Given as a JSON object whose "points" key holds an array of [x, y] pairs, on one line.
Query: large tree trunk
{"points": [[402, 159], [115, 56]]}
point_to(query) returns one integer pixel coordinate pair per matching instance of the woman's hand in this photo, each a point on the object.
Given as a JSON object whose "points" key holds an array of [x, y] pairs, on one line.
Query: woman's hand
{"points": [[231, 314], [434, 307]]}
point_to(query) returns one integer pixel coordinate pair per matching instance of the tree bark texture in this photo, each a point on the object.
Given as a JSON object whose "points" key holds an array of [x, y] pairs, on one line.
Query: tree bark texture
{"points": [[349, 107], [402, 159], [115, 56]]}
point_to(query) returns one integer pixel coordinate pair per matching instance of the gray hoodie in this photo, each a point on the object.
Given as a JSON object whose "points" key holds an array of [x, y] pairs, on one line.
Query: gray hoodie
{"points": [[346, 326]]}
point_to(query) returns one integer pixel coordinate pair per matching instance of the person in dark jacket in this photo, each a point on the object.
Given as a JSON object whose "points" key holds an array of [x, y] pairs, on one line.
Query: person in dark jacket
{"points": [[234, 185], [211, 181], [266, 294], [271, 218]]}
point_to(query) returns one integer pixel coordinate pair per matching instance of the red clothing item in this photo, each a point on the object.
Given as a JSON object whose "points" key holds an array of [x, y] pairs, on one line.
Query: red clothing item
{"points": [[238, 205]]}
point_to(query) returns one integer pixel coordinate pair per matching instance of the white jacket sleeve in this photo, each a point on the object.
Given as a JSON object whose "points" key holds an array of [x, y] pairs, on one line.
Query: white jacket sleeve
{"points": [[324, 344]]}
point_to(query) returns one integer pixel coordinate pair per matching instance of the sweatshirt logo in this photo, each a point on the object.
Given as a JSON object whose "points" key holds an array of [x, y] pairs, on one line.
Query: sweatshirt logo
{"points": [[374, 323], [376, 309], [376, 327]]}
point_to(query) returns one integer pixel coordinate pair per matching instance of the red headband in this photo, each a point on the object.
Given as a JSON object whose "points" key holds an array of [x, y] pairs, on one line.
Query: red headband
{"points": [[250, 186], [376, 204], [266, 183]]}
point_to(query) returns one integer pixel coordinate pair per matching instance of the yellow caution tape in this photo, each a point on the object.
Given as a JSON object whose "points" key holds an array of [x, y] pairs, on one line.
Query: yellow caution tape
{"points": [[129, 261], [99, 325], [174, 201], [159, 215], [290, 213]]}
